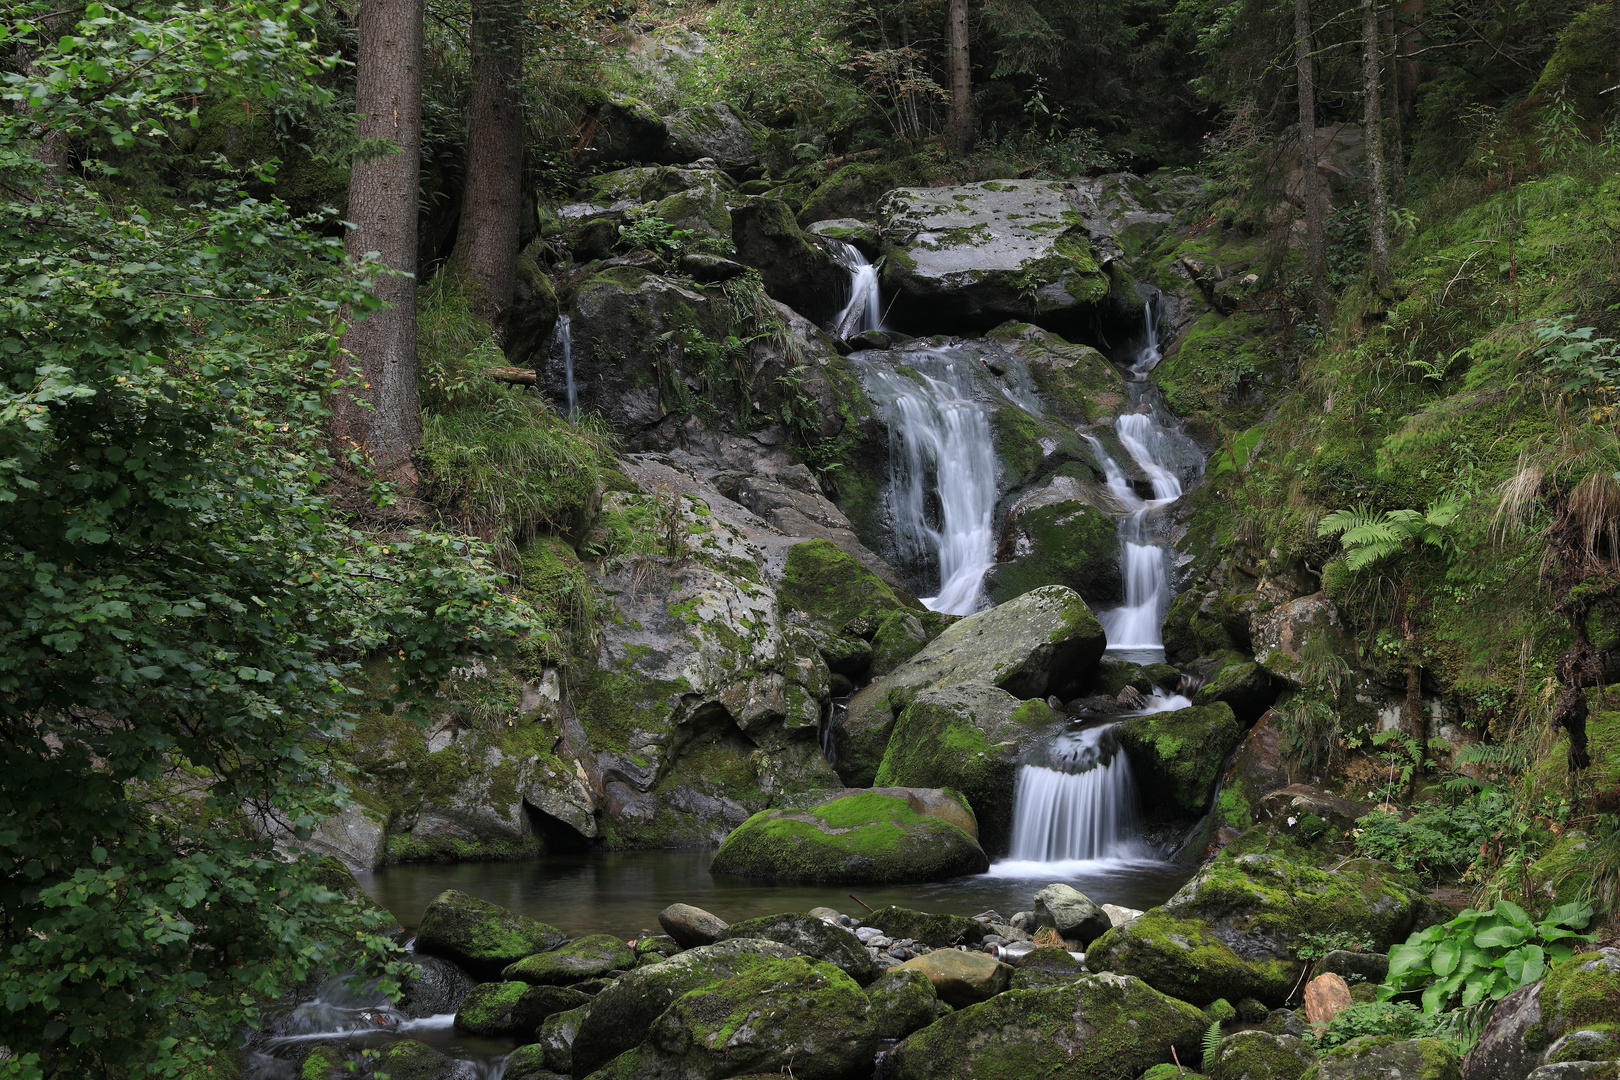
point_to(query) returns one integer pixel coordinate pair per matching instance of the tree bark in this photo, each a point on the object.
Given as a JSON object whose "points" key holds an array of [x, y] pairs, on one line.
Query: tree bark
{"points": [[1311, 177], [1397, 109], [961, 121], [487, 241], [1373, 136], [379, 417]]}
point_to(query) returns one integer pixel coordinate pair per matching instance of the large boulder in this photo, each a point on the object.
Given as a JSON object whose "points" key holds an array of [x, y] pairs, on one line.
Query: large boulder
{"points": [[883, 836], [1387, 1058], [555, 1038], [832, 587], [623, 129], [903, 1000], [589, 957], [1056, 536], [797, 1013], [1526, 1028], [1046, 642], [480, 936], [1280, 634], [1045, 967], [712, 130], [962, 978], [975, 255], [794, 270], [1259, 1055], [1098, 1027], [513, 1008], [1258, 768], [692, 926], [1123, 213], [622, 1014], [969, 738], [1071, 913], [1233, 930], [812, 937], [411, 1060], [1247, 687], [1177, 756], [935, 931], [1076, 382]]}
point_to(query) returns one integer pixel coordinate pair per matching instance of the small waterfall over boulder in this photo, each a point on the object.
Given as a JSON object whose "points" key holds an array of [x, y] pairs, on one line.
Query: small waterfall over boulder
{"points": [[864, 309]]}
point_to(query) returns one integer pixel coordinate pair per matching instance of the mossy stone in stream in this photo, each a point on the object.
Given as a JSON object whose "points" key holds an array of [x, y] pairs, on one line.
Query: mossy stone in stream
{"points": [[583, 958], [513, 1008], [323, 1063], [1115, 675], [555, 1038], [824, 582], [411, 1060], [529, 1063], [900, 637], [1247, 687], [1062, 541], [903, 1000], [1045, 967], [935, 931], [480, 936], [1257, 1055], [1098, 1027], [969, 738], [1177, 756], [794, 1013], [865, 837], [1379, 1058], [812, 937]]}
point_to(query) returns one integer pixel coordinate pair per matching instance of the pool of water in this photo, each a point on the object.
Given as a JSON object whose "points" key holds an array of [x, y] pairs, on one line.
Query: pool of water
{"points": [[622, 893]]}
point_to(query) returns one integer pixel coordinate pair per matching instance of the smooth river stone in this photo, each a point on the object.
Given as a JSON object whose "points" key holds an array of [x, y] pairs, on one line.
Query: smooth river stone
{"points": [[961, 978], [690, 926]]}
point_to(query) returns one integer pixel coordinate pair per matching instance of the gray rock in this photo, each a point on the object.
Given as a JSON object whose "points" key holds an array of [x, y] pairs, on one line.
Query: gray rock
{"points": [[1057, 535], [1579, 1070], [529, 1063], [812, 937], [480, 936], [555, 1038], [903, 1000], [1259, 1055], [1586, 1045], [1370, 967], [355, 835], [625, 130], [982, 253], [431, 986], [1071, 913], [411, 1060], [794, 270], [1248, 688], [1279, 634], [861, 235], [714, 131], [1122, 212], [1388, 1059], [1044, 642], [1119, 916], [691, 926], [1285, 1022]]}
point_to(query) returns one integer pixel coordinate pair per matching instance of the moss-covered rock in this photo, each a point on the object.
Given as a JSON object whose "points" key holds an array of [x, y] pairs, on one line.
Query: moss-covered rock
{"points": [[794, 270], [1055, 536], [699, 210], [969, 738], [712, 130], [1076, 382], [861, 235], [1386, 1058], [1247, 687], [1258, 768], [854, 191], [1047, 966], [862, 837], [1177, 756], [1046, 642], [1114, 676], [555, 1038], [411, 1060], [528, 1063], [903, 1000], [1071, 913], [480, 936], [322, 1063], [619, 1018], [779, 1013], [583, 958], [1096, 1028], [1256, 1055], [832, 587], [962, 978], [1580, 995], [935, 931], [812, 937], [513, 1008], [1232, 931]]}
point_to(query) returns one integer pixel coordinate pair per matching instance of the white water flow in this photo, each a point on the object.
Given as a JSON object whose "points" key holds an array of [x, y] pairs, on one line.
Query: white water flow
{"points": [[864, 309], [565, 340], [939, 444]]}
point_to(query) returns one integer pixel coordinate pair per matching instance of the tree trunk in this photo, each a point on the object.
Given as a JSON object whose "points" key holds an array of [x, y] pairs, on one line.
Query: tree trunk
{"points": [[961, 103], [382, 205], [487, 242], [1397, 107], [1373, 136], [1311, 177]]}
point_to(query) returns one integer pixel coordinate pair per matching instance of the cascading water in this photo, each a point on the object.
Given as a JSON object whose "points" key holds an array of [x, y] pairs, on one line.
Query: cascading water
{"points": [[565, 342], [938, 433], [864, 309]]}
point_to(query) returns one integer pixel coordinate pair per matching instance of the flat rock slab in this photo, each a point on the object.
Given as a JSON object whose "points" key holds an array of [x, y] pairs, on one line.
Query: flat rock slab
{"points": [[583, 958]]}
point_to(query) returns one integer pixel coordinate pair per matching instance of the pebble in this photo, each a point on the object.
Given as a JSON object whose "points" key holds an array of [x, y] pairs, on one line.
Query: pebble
{"points": [[868, 934], [899, 954]]}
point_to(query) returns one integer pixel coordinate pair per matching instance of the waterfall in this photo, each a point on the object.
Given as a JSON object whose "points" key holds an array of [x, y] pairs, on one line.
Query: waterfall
{"points": [[864, 309], [938, 433], [1081, 806], [565, 340]]}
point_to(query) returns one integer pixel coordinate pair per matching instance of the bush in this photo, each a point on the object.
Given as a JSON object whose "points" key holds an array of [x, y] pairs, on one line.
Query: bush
{"points": [[1437, 841]]}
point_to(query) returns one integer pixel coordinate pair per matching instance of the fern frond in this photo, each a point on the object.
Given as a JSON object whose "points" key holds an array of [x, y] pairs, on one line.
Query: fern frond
{"points": [[1367, 554], [1212, 1041], [1345, 520]]}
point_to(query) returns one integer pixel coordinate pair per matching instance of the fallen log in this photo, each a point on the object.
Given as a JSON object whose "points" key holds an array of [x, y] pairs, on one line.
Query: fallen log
{"points": [[517, 375]]}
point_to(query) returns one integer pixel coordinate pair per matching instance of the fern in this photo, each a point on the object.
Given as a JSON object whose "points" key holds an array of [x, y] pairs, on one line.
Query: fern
{"points": [[1212, 1040], [1368, 538]]}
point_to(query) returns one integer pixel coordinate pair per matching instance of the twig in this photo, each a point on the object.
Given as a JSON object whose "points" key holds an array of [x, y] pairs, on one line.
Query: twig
{"points": [[1177, 1059], [861, 902]]}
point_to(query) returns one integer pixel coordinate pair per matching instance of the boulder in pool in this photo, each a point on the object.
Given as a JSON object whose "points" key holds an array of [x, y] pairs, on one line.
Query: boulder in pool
{"points": [[969, 738], [812, 937], [1072, 914], [513, 1008], [1046, 642], [796, 1013], [619, 1017], [1177, 756], [691, 926], [890, 835], [935, 931], [962, 978], [588, 957], [1095, 1028], [411, 1060], [482, 937]]}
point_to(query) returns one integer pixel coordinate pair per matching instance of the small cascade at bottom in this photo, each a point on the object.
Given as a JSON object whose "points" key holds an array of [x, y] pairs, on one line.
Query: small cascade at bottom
{"points": [[864, 308]]}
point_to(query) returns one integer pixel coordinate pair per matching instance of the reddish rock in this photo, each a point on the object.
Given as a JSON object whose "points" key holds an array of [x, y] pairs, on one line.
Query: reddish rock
{"points": [[1326, 996]]}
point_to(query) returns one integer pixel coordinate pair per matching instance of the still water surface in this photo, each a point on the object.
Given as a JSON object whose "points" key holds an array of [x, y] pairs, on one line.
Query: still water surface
{"points": [[622, 893]]}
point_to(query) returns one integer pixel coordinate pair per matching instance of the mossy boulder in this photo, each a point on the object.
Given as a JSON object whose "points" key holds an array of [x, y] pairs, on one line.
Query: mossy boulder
{"points": [[862, 837], [1046, 642], [903, 1000], [1193, 627], [1258, 1055], [1047, 966], [411, 1060], [1582, 994], [583, 958], [799, 1013], [1071, 913], [1177, 756], [482, 937], [1032, 448], [1076, 382], [555, 1038], [700, 210], [962, 978], [711, 130], [899, 637], [1055, 536], [861, 235], [821, 580], [529, 1063], [619, 1017], [513, 1008], [812, 937], [1247, 687], [853, 191], [1098, 1027], [1387, 1058], [1233, 930], [976, 255], [1258, 768], [935, 931], [969, 738], [794, 270], [1114, 676], [625, 130]]}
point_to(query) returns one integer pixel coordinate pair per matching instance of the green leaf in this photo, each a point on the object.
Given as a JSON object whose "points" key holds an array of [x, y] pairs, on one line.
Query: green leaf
{"points": [[1406, 959], [1499, 936], [1514, 914], [1446, 956], [1525, 964]]}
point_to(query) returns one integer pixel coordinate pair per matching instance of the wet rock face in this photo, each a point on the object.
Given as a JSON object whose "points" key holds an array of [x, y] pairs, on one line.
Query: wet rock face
{"points": [[876, 836], [1177, 756], [794, 270], [1096, 1027], [978, 254], [1280, 634]]}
